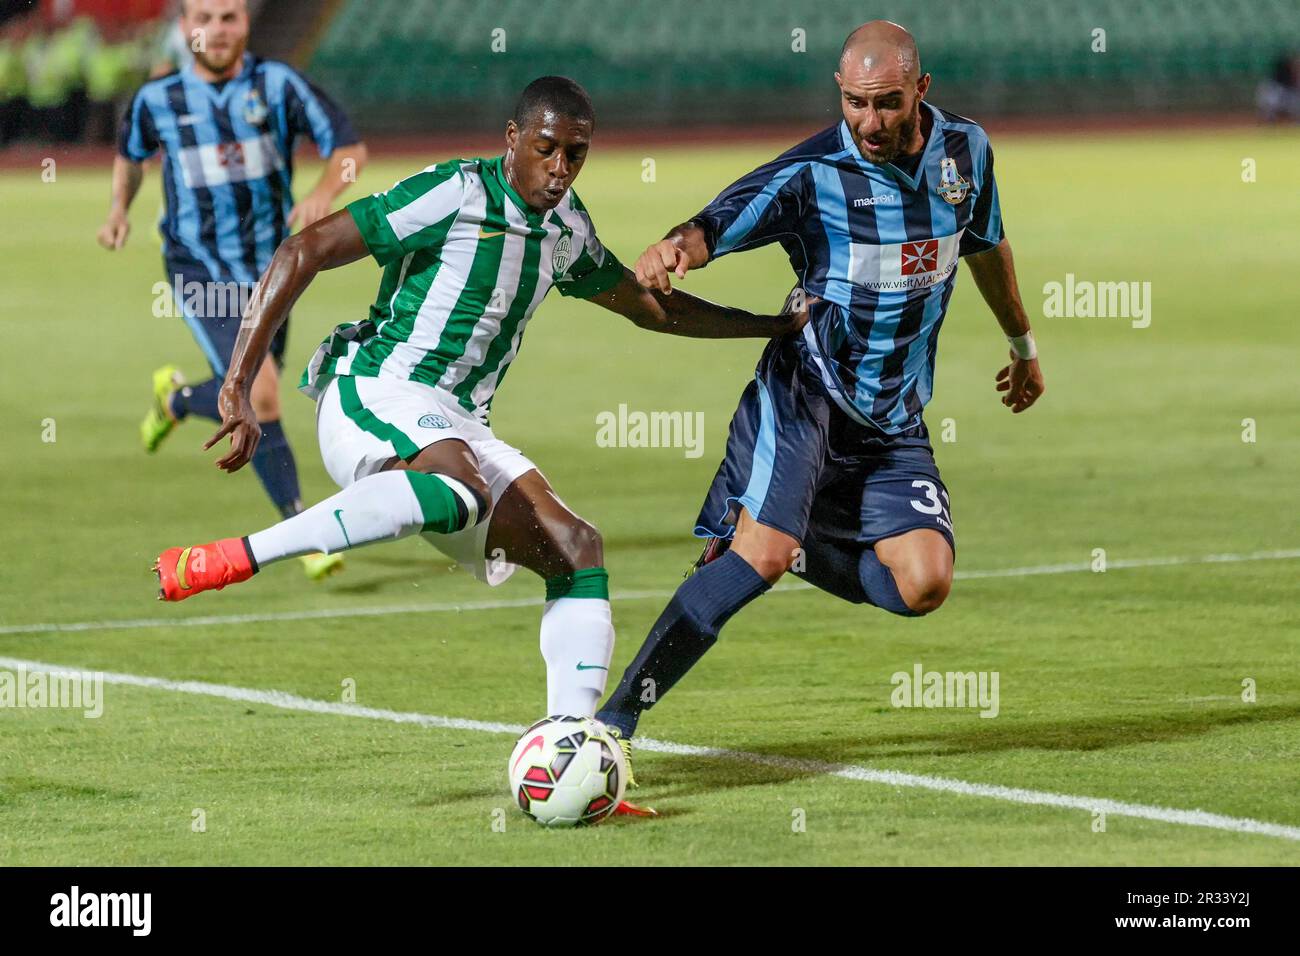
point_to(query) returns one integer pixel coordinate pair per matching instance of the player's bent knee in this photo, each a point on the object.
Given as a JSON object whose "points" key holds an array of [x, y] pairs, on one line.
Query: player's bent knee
{"points": [[769, 563], [924, 593]]}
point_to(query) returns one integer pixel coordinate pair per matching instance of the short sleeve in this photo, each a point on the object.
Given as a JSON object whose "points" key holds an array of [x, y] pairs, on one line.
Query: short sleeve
{"points": [[415, 214], [984, 231], [591, 274], [310, 111], [756, 209], [596, 269], [137, 137]]}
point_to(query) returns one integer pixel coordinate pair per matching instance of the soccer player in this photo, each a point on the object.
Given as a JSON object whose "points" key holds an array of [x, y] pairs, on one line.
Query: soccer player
{"points": [[828, 468], [469, 249], [227, 124]]}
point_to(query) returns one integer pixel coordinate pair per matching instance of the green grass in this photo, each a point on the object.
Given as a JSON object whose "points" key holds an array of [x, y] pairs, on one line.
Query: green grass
{"points": [[1124, 685]]}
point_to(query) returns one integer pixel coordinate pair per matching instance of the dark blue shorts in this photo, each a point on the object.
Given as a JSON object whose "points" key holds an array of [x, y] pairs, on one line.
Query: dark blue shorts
{"points": [[211, 319], [800, 465]]}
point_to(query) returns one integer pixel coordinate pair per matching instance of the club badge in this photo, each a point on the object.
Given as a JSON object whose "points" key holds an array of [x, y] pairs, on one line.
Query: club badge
{"points": [[951, 186], [255, 110], [562, 254]]}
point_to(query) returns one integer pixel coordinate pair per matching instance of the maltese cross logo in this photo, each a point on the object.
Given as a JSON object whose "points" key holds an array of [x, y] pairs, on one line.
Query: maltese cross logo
{"points": [[920, 257]]}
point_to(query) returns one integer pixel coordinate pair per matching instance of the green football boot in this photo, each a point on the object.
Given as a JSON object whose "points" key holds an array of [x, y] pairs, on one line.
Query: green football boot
{"points": [[320, 566], [159, 422]]}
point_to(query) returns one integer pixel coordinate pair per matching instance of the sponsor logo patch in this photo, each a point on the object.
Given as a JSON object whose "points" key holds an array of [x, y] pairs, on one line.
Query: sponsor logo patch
{"points": [[903, 266], [433, 421], [920, 257], [233, 161]]}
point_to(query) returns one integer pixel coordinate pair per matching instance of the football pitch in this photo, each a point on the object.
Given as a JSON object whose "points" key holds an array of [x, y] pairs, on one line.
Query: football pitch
{"points": [[1128, 558]]}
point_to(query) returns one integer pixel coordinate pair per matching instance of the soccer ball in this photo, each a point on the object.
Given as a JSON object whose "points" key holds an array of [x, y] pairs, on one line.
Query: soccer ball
{"points": [[567, 772]]}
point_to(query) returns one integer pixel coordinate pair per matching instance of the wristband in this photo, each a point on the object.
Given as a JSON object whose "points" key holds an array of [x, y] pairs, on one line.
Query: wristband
{"points": [[1022, 346]]}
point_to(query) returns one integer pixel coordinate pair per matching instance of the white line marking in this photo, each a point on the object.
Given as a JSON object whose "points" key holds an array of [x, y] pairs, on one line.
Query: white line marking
{"points": [[892, 778], [315, 614]]}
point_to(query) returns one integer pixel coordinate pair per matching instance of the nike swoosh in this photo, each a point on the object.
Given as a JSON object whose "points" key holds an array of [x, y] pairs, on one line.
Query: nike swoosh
{"points": [[535, 742], [337, 513], [591, 667], [181, 564], [484, 234]]}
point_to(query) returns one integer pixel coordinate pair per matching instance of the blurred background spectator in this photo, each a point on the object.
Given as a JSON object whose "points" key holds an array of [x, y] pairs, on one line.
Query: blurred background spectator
{"points": [[1279, 95]]}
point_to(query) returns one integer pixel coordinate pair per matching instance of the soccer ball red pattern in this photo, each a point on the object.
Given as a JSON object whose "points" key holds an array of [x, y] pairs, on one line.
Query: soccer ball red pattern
{"points": [[567, 772]]}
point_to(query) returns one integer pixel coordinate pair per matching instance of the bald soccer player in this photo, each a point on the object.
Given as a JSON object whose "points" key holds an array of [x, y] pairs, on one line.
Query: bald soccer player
{"points": [[828, 470]]}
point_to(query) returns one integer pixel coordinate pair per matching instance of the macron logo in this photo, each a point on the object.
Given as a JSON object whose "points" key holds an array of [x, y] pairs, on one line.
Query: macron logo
{"points": [[887, 199], [103, 909]]}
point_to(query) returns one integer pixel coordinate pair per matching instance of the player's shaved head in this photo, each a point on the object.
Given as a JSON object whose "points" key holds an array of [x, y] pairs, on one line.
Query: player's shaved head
{"points": [[881, 88], [880, 44], [557, 95]]}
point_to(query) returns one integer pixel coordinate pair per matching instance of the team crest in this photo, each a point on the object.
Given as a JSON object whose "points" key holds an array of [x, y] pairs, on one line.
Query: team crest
{"points": [[562, 255], [255, 110], [433, 421], [951, 186]]}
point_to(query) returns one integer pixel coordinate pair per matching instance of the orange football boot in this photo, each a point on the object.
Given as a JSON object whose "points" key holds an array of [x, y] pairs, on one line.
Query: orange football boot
{"points": [[629, 809], [183, 572]]}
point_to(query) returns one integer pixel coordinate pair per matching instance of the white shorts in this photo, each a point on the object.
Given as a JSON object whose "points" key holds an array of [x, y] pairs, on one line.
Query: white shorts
{"points": [[364, 422]]}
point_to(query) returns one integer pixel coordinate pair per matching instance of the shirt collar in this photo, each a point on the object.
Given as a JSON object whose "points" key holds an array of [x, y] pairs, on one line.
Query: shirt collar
{"points": [[496, 168]]}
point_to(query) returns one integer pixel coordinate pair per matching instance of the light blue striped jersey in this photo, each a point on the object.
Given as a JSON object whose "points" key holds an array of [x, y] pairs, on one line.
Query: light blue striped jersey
{"points": [[228, 161], [879, 246]]}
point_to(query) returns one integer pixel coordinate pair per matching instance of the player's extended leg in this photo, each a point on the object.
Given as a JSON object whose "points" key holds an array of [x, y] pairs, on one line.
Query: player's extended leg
{"points": [[174, 398], [533, 528], [689, 625], [766, 483], [273, 461], [439, 491]]}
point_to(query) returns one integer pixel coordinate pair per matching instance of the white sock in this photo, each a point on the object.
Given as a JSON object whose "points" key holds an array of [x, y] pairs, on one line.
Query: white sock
{"points": [[577, 644], [379, 507]]}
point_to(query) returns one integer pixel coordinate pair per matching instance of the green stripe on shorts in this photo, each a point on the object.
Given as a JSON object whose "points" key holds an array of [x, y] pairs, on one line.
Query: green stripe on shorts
{"points": [[365, 419]]}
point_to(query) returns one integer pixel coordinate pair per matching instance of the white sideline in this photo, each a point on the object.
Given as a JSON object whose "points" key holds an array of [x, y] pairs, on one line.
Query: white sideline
{"points": [[893, 778], [442, 607]]}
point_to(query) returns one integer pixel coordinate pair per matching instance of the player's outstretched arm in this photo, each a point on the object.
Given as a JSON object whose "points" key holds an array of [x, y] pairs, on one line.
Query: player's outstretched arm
{"points": [[689, 315], [342, 168], [994, 272], [127, 176], [683, 249], [333, 241]]}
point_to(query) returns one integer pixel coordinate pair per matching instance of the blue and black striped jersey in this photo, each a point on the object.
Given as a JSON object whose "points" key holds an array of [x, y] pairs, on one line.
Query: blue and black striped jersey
{"points": [[878, 245], [228, 164]]}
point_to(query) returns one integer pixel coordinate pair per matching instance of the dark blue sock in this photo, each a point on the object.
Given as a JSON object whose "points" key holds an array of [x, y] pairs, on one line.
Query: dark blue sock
{"points": [[274, 464], [200, 399], [880, 587], [687, 628]]}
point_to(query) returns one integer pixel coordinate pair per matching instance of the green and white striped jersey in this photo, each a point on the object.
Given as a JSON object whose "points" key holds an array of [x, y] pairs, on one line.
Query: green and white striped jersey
{"points": [[466, 263]]}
